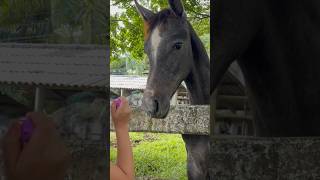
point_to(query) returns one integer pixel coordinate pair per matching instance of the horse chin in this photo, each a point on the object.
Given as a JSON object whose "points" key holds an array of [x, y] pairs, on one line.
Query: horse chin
{"points": [[165, 108], [163, 112], [163, 115]]}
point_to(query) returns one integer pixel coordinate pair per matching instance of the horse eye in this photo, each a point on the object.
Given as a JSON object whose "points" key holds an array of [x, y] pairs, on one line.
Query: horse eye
{"points": [[177, 45]]}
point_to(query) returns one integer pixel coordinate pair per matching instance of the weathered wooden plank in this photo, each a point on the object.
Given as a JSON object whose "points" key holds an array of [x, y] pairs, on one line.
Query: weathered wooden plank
{"points": [[232, 102], [241, 99], [222, 115], [182, 119]]}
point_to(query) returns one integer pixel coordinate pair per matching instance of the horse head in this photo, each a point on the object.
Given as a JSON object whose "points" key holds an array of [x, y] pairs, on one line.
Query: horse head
{"points": [[168, 46]]}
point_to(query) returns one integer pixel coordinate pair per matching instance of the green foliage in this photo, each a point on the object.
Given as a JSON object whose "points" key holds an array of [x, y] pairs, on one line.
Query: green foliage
{"points": [[19, 94], [157, 155], [56, 21], [205, 38], [126, 26], [82, 19]]}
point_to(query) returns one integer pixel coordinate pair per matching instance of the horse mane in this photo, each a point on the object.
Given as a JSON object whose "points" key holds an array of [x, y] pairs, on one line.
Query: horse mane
{"points": [[198, 49]]}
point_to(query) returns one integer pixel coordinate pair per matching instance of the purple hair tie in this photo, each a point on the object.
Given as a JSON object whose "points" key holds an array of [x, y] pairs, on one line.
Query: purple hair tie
{"points": [[118, 102], [26, 130]]}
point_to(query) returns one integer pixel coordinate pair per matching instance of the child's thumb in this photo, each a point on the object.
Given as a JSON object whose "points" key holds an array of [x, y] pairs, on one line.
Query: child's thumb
{"points": [[12, 147]]}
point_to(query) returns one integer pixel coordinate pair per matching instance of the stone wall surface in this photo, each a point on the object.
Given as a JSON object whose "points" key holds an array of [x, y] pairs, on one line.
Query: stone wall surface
{"points": [[182, 119], [82, 125], [234, 158], [89, 160]]}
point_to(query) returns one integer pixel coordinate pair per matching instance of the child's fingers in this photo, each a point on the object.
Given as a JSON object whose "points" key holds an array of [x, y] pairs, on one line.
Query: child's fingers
{"points": [[113, 108], [126, 106], [38, 119], [44, 131], [124, 102], [12, 147], [41, 122]]}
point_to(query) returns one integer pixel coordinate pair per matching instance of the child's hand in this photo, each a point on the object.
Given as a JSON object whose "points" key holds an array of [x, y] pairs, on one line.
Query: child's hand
{"points": [[124, 168], [121, 116], [43, 157]]}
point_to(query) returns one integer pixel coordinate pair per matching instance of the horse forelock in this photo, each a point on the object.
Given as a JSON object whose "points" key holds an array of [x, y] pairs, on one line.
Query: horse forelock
{"points": [[146, 31], [158, 19]]}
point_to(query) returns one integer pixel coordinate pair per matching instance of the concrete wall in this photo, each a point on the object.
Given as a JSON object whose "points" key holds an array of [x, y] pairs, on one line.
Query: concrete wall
{"points": [[89, 160], [234, 158], [182, 119]]}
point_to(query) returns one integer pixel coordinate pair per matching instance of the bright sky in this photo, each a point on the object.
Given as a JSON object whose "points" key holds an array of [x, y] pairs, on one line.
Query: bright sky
{"points": [[114, 10]]}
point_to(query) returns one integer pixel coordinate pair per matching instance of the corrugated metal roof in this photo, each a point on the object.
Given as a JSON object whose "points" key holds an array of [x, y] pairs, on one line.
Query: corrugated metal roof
{"points": [[128, 82], [131, 82], [78, 66]]}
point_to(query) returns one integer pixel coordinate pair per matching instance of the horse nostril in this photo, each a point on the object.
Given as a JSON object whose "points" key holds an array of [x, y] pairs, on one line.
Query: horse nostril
{"points": [[156, 106]]}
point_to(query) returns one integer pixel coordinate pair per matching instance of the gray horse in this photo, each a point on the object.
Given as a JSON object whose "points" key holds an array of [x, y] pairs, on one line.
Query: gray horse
{"points": [[277, 45], [176, 54]]}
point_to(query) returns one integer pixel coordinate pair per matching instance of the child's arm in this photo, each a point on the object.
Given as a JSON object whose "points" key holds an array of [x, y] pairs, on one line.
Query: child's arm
{"points": [[123, 170]]}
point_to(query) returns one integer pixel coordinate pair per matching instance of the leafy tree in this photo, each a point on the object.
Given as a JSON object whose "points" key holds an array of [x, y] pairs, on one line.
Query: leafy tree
{"points": [[85, 19], [54, 21], [126, 25], [19, 18]]}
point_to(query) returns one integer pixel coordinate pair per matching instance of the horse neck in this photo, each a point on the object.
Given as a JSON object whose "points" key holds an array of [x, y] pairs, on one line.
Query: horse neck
{"points": [[198, 80]]}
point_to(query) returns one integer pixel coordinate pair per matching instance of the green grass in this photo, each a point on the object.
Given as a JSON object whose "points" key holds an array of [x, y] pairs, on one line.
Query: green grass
{"points": [[159, 156]]}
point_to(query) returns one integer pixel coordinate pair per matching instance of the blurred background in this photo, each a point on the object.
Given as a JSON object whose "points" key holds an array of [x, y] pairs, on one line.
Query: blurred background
{"points": [[54, 58], [54, 21]]}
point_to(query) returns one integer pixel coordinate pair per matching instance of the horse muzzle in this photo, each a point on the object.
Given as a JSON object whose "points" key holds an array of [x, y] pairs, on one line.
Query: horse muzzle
{"points": [[155, 106]]}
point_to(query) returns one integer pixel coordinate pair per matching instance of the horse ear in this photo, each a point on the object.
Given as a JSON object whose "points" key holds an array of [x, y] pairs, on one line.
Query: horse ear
{"points": [[177, 7], [144, 12]]}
